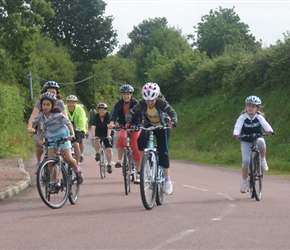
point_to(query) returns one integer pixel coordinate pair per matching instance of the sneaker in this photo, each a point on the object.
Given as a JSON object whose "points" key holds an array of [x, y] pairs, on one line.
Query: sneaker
{"points": [[97, 158], [54, 187], [81, 158], [79, 175], [265, 166], [168, 188], [109, 168], [137, 180], [36, 167], [118, 164], [244, 187]]}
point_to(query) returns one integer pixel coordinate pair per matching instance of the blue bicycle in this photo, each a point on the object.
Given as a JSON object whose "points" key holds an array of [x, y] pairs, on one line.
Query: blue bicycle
{"points": [[151, 174]]}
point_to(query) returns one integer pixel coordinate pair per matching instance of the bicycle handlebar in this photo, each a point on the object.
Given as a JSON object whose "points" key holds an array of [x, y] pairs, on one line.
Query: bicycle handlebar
{"points": [[151, 128], [255, 135]]}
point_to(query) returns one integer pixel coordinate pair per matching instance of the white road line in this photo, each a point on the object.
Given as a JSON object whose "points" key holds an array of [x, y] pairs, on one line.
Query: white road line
{"points": [[201, 189], [228, 197], [173, 238], [227, 211]]}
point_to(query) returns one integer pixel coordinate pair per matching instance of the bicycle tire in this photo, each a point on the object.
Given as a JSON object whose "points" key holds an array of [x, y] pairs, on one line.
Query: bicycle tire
{"points": [[52, 200], [258, 177], [102, 164], [74, 186], [147, 181], [126, 172], [160, 186]]}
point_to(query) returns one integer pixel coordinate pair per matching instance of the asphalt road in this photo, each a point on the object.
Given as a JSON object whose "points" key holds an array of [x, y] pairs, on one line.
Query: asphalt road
{"points": [[206, 211]]}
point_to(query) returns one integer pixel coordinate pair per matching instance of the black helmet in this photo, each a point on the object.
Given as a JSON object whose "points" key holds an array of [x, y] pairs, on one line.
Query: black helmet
{"points": [[51, 84], [126, 89], [48, 96]]}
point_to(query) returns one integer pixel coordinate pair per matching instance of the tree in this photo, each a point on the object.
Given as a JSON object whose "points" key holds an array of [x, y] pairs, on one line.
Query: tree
{"points": [[20, 24], [81, 27], [221, 28], [153, 37]]}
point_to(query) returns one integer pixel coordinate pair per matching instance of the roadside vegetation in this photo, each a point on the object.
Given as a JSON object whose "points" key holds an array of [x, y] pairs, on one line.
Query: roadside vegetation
{"points": [[206, 76]]}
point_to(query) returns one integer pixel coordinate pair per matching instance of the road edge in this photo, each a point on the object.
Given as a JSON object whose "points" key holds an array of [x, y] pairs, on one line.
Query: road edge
{"points": [[12, 191]]}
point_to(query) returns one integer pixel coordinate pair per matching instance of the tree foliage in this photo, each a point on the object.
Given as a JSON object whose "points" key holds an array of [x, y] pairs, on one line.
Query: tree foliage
{"points": [[153, 37], [20, 23], [82, 27], [220, 28]]}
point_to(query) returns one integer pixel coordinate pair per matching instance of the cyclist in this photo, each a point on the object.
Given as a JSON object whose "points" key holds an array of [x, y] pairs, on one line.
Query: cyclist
{"points": [[154, 108], [54, 125], [99, 129], [252, 120], [118, 115], [82, 145], [77, 116], [52, 87], [93, 111]]}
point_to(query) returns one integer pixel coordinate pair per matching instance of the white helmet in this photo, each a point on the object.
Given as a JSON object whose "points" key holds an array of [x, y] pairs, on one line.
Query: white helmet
{"points": [[150, 91], [254, 100], [72, 98]]}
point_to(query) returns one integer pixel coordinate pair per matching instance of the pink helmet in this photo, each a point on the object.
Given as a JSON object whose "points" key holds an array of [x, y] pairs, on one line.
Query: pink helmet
{"points": [[150, 91]]}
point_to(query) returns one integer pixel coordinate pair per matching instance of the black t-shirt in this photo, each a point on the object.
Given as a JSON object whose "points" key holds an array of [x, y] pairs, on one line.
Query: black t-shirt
{"points": [[101, 127]]}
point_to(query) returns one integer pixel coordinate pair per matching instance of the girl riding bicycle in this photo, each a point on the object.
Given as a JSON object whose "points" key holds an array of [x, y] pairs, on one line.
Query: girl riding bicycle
{"points": [[251, 121], [53, 125], [154, 109]]}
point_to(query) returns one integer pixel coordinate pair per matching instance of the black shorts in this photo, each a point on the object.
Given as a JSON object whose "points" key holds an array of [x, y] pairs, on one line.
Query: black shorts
{"points": [[78, 137]]}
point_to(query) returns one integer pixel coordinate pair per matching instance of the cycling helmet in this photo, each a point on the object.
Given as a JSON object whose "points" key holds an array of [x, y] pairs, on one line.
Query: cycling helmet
{"points": [[48, 96], [51, 84], [72, 98], [126, 89], [254, 100], [102, 106], [150, 91]]}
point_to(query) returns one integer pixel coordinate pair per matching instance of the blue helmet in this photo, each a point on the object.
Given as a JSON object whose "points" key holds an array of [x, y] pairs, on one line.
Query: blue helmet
{"points": [[126, 89], [51, 84]]}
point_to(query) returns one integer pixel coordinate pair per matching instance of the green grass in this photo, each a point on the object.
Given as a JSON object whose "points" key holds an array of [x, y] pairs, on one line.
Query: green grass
{"points": [[205, 125]]}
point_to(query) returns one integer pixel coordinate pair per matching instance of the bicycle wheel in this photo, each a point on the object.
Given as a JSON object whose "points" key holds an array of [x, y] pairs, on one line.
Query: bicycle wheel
{"points": [[74, 189], [102, 164], [126, 169], [147, 180], [257, 174], [160, 186], [59, 196]]}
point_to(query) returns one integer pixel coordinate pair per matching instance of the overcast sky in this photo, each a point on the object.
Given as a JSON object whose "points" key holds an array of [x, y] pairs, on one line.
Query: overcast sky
{"points": [[267, 20]]}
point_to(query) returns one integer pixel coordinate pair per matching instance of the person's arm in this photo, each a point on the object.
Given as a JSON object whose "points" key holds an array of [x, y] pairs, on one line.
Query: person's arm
{"points": [[34, 113], [93, 130], [71, 131], [238, 125], [265, 125]]}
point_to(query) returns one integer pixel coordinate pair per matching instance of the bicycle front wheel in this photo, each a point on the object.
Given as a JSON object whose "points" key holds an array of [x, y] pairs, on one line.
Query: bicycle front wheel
{"points": [[74, 190], [257, 174], [147, 181], [126, 169], [57, 197], [102, 164]]}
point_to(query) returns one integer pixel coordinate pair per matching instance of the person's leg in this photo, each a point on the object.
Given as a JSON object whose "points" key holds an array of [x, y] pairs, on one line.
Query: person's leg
{"points": [[97, 149], [82, 147], [121, 144], [162, 137], [134, 146], [262, 147], [246, 149], [38, 152]]}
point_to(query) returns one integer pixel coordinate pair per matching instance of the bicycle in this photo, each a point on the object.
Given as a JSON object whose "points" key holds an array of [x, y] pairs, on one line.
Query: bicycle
{"points": [[255, 172], [57, 168], [151, 174], [103, 162], [128, 167]]}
